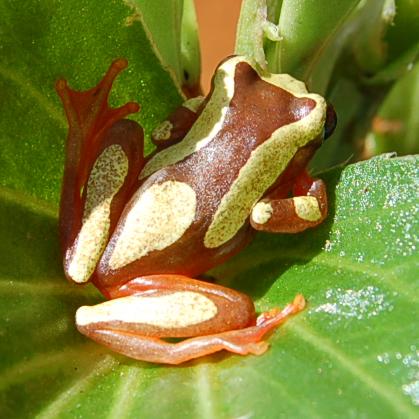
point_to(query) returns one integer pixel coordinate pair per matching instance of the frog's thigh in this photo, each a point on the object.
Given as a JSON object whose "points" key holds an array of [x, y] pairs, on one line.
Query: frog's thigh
{"points": [[291, 215], [169, 306], [133, 323]]}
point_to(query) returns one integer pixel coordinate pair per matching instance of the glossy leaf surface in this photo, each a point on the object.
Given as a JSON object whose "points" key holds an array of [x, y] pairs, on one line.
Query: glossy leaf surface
{"points": [[352, 350], [44, 41]]}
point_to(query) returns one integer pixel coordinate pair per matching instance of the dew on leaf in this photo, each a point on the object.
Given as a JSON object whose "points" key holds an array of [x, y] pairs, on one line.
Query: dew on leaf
{"points": [[412, 390], [408, 365], [384, 358], [328, 245], [359, 304]]}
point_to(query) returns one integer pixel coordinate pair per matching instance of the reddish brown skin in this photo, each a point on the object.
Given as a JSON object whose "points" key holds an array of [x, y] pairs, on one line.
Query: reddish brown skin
{"points": [[226, 300], [292, 223], [93, 126], [211, 172]]}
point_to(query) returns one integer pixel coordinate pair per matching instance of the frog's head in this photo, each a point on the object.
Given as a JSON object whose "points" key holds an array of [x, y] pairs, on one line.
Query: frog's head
{"points": [[282, 105]]}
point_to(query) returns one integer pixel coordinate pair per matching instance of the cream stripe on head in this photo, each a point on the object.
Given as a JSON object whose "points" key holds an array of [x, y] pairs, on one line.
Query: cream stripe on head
{"points": [[208, 124], [158, 217], [105, 180], [288, 83]]}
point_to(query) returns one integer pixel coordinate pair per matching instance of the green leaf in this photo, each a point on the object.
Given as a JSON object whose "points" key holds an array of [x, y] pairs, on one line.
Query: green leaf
{"points": [[369, 48], [170, 26], [397, 123], [307, 28], [404, 34], [353, 351], [252, 29], [77, 40], [189, 48]]}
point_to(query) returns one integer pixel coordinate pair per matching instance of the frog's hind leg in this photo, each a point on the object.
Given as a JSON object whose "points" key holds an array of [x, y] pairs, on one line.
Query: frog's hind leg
{"points": [[104, 155], [151, 308], [307, 208], [89, 116]]}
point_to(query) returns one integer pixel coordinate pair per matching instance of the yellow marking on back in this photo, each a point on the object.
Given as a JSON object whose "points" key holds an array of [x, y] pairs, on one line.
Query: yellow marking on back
{"points": [[263, 167], [208, 124], [307, 208], [159, 216], [105, 180], [170, 311]]}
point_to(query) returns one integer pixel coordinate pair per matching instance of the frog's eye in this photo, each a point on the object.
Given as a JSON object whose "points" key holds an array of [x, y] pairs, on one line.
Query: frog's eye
{"points": [[330, 123]]}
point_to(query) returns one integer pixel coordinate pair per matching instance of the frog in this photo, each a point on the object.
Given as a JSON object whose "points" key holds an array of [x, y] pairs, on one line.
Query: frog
{"points": [[144, 229]]}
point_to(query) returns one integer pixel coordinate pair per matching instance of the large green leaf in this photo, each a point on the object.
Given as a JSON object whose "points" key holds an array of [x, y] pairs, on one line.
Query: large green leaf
{"points": [[308, 31], [171, 28], [353, 349], [45, 40]]}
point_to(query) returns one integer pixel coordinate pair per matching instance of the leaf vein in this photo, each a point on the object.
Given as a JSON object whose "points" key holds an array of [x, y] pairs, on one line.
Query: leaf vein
{"points": [[14, 76], [352, 366], [55, 409]]}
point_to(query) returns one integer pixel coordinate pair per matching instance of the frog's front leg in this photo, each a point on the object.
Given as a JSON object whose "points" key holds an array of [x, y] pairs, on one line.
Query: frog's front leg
{"points": [[307, 208], [147, 309], [175, 127]]}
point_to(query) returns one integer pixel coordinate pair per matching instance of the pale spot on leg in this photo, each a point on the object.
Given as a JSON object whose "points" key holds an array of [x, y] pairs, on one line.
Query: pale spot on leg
{"points": [[262, 212], [163, 131], [307, 208]]}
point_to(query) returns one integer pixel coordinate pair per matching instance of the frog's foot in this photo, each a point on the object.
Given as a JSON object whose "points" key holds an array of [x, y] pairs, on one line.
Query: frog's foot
{"points": [[88, 112], [134, 325], [308, 208]]}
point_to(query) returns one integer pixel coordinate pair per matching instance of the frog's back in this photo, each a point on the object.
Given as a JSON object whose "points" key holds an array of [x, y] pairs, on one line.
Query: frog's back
{"points": [[197, 195]]}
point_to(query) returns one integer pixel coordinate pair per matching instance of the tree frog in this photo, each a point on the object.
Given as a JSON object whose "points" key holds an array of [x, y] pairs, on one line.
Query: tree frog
{"points": [[143, 228]]}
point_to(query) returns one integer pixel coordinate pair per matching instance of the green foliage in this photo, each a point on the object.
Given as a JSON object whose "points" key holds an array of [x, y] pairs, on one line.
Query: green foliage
{"points": [[353, 349], [397, 124], [46, 40]]}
